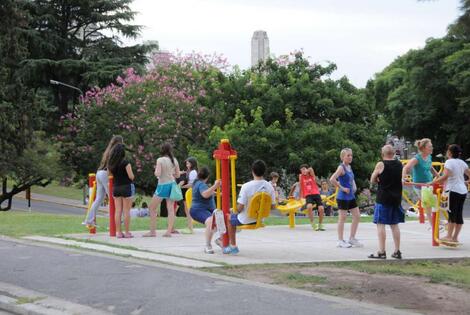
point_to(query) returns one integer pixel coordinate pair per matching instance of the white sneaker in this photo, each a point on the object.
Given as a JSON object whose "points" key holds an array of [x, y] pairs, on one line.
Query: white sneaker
{"points": [[343, 244], [355, 243], [208, 250]]}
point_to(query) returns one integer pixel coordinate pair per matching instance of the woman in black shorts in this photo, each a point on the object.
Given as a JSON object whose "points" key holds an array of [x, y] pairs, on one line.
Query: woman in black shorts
{"points": [[124, 189], [454, 171]]}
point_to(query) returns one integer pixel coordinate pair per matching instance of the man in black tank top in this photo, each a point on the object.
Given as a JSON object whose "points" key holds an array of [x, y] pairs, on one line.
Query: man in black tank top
{"points": [[388, 211]]}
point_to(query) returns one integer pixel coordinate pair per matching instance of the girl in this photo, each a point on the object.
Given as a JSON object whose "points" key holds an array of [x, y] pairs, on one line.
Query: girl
{"points": [[454, 170], [124, 189], [166, 170], [192, 175], [203, 204], [346, 199], [102, 187], [422, 170]]}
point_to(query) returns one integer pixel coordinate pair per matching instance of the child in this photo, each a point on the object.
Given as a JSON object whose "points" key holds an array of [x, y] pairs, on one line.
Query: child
{"points": [[124, 189], [144, 211], [326, 191], [203, 205], [346, 199], [191, 176], [280, 197], [258, 184], [309, 191]]}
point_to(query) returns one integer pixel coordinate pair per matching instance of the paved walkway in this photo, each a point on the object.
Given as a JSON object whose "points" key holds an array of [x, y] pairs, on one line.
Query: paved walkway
{"points": [[279, 244]]}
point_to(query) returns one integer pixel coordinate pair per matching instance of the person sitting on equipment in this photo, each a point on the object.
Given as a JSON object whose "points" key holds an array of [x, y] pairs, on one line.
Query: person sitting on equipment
{"points": [[280, 197], [258, 184], [202, 204]]}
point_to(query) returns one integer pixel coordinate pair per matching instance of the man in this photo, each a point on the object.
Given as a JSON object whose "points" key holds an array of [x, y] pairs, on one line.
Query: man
{"points": [[388, 210], [258, 184]]}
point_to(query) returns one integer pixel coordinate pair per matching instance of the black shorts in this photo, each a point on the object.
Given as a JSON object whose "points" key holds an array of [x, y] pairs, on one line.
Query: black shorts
{"points": [[346, 204], [456, 202], [124, 191], [314, 200]]}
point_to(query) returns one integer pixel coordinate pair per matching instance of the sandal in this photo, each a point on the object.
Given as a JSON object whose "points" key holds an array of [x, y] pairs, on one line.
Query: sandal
{"points": [[128, 235], [397, 254], [120, 235], [150, 234], [379, 255]]}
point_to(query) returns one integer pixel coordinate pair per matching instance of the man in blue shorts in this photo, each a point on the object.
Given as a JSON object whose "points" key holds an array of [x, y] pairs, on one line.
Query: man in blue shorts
{"points": [[258, 184]]}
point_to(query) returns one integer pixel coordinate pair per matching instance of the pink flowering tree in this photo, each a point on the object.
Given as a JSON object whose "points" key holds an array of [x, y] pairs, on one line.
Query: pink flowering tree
{"points": [[166, 104]]}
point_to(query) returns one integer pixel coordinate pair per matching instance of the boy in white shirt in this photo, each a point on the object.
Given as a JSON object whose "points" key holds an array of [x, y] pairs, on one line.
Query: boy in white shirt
{"points": [[258, 184]]}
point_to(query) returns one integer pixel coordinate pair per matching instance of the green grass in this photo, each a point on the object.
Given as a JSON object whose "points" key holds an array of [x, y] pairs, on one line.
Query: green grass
{"points": [[56, 190], [17, 224], [298, 280]]}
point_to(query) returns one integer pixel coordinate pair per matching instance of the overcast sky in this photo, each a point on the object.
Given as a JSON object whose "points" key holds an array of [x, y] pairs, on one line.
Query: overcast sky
{"points": [[360, 36]]}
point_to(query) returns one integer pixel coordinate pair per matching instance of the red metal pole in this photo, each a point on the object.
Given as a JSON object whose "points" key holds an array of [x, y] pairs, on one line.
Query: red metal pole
{"points": [[112, 209], [421, 212], [91, 183], [225, 196], [223, 153], [434, 219]]}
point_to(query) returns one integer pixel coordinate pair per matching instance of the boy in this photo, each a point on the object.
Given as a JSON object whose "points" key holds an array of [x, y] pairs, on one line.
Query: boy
{"points": [[309, 191], [258, 184]]}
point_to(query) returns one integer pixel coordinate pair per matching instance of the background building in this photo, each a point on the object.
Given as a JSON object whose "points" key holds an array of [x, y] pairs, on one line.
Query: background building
{"points": [[259, 47]]}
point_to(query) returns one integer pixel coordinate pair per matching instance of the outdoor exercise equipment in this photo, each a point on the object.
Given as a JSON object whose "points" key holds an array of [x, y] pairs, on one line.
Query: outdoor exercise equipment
{"points": [[293, 206], [225, 158], [91, 199], [259, 207]]}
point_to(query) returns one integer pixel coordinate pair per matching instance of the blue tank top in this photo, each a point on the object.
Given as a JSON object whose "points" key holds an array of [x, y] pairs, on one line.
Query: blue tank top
{"points": [[346, 181], [421, 172], [199, 203]]}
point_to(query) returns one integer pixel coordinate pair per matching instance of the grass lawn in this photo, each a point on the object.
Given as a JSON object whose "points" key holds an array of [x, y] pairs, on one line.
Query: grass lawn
{"points": [[56, 190], [455, 272], [18, 223]]}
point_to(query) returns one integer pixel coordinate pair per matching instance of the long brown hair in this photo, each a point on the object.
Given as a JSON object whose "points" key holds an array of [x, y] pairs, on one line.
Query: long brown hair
{"points": [[104, 159], [167, 150]]}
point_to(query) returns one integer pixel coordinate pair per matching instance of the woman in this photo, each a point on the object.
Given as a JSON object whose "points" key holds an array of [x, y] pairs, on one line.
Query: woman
{"points": [[102, 187], [192, 175], [166, 170], [346, 199], [454, 170], [421, 168], [388, 210], [203, 205], [123, 189]]}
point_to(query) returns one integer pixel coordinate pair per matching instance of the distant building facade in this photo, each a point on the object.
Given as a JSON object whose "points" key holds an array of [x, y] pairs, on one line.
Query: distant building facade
{"points": [[259, 47]]}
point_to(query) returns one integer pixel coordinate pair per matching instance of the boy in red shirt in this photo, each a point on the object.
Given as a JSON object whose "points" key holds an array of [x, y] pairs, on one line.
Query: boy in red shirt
{"points": [[309, 191]]}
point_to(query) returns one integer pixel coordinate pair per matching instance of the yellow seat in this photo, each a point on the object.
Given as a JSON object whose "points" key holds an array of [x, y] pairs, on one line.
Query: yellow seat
{"points": [[259, 208], [188, 197]]}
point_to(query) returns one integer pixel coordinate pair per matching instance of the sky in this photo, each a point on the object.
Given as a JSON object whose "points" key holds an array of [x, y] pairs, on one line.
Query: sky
{"points": [[361, 36]]}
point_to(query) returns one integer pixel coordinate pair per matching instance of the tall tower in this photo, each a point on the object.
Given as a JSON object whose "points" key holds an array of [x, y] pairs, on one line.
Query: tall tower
{"points": [[259, 47]]}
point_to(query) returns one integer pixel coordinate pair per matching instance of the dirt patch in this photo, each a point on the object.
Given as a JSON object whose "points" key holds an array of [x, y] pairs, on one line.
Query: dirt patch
{"points": [[403, 292]]}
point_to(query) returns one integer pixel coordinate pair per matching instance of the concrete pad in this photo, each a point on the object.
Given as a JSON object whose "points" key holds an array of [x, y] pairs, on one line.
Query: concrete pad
{"points": [[279, 244]]}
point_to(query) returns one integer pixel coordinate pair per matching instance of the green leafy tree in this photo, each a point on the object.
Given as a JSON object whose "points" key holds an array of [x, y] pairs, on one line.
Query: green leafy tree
{"points": [[79, 43], [25, 159]]}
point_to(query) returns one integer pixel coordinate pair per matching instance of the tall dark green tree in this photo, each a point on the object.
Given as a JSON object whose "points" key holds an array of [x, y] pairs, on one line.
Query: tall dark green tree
{"points": [[25, 159], [79, 42]]}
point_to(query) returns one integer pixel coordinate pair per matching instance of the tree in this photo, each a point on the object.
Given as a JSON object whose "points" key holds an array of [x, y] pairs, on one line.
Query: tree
{"points": [[162, 105], [77, 42], [24, 158]]}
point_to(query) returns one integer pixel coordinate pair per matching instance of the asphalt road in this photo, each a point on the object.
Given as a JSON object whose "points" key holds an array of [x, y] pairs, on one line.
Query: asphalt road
{"points": [[46, 207], [126, 287]]}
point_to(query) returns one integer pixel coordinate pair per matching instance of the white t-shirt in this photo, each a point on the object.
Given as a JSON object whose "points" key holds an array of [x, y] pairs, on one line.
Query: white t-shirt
{"points": [[247, 191], [456, 180], [192, 177]]}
